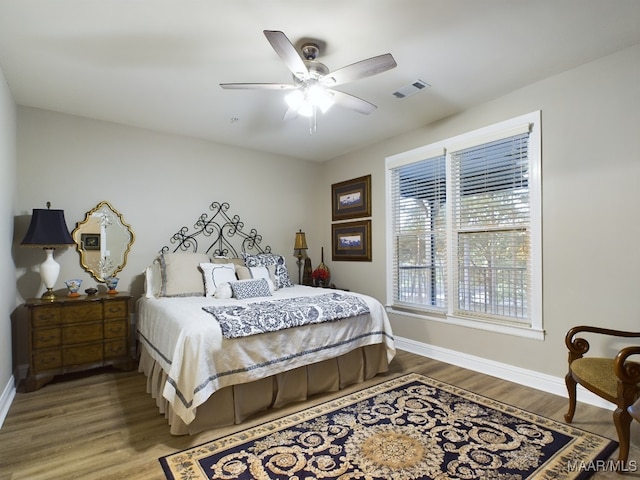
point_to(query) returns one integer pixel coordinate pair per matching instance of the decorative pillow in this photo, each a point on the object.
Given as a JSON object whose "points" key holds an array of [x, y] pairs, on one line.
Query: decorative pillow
{"points": [[280, 275], [262, 259], [250, 288], [234, 260], [252, 273], [152, 280], [243, 273], [223, 291], [180, 274], [215, 274]]}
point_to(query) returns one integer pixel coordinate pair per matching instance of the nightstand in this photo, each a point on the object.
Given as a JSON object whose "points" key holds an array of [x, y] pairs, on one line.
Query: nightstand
{"points": [[75, 334]]}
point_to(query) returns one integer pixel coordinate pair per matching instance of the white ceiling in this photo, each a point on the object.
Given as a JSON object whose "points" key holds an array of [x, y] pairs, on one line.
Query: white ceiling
{"points": [[157, 64]]}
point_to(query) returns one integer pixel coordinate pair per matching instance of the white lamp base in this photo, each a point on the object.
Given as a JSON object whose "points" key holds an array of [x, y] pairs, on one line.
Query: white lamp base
{"points": [[49, 271]]}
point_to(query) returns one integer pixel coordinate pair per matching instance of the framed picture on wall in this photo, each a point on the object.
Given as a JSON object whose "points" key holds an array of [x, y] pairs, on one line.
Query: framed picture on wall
{"points": [[351, 241], [351, 199], [90, 241]]}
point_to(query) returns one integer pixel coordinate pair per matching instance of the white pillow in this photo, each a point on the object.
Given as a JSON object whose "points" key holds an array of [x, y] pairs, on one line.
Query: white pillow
{"points": [[215, 274], [259, 272], [152, 280], [181, 276], [224, 291]]}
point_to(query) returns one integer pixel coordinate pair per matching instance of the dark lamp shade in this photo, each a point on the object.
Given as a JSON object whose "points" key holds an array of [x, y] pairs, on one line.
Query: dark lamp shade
{"points": [[301, 241], [47, 229]]}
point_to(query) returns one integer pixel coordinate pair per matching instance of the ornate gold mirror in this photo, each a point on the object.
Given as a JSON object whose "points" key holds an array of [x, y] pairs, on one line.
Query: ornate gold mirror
{"points": [[103, 240]]}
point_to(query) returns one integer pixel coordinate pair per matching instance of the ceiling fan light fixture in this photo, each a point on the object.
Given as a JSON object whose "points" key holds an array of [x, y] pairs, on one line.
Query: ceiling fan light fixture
{"points": [[305, 101], [320, 97], [294, 99], [306, 109]]}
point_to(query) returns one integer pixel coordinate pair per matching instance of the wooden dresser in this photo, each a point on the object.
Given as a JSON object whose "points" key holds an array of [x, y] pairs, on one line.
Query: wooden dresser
{"points": [[74, 334]]}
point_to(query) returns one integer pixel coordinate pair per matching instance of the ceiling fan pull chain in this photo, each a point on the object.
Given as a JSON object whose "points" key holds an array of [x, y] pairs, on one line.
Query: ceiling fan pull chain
{"points": [[313, 121]]}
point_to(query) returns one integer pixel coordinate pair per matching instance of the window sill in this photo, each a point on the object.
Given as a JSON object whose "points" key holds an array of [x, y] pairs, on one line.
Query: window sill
{"points": [[514, 330]]}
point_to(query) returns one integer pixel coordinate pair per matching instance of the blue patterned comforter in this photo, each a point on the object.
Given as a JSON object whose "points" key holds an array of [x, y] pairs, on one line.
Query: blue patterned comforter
{"points": [[272, 315]]}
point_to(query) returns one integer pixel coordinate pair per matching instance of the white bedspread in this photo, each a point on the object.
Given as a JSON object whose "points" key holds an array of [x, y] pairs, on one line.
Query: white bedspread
{"points": [[188, 343]]}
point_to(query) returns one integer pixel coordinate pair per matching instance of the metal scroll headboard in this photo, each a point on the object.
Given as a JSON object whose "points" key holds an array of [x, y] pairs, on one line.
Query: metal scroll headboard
{"points": [[223, 234]]}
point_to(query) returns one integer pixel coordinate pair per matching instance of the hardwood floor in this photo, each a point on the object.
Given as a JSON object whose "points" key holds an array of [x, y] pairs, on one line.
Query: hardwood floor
{"points": [[105, 426]]}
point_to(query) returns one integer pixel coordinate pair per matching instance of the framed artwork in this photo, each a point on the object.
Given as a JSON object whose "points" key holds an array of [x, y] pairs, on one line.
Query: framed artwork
{"points": [[351, 199], [351, 241], [90, 241]]}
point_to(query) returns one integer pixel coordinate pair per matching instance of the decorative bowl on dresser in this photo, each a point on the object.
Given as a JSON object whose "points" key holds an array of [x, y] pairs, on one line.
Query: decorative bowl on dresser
{"points": [[75, 334]]}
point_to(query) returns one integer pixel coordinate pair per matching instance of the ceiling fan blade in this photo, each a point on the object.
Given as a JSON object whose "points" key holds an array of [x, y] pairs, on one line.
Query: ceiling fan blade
{"points": [[257, 86], [354, 103], [290, 114], [287, 52], [362, 69]]}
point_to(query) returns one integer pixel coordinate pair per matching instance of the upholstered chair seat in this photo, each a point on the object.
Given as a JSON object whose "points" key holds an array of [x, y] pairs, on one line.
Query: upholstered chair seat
{"points": [[615, 379], [599, 374]]}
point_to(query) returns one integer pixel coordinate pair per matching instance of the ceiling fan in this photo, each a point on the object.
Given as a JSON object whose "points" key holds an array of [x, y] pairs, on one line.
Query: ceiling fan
{"points": [[313, 82]]}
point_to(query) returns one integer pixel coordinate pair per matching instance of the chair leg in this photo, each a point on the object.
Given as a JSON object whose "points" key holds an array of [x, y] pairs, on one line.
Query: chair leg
{"points": [[622, 421], [571, 389]]}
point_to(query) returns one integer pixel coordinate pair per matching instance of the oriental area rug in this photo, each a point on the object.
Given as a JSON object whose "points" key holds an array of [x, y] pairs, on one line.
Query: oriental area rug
{"points": [[409, 427]]}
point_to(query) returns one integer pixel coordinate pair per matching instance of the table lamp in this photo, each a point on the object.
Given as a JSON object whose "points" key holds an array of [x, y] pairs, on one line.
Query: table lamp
{"points": [[300, 245], [48, 230]]}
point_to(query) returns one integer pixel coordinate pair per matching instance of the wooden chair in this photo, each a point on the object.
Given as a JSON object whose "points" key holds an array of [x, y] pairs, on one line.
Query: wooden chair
{"points": [[614, 379]]}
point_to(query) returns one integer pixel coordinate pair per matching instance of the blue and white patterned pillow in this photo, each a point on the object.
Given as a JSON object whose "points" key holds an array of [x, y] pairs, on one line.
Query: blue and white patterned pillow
{"points": [[281, 275], [250, 288]]}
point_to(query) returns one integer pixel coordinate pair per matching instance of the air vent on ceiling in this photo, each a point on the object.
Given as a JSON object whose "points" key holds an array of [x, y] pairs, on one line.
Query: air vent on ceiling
{"points": [[411, 89]]}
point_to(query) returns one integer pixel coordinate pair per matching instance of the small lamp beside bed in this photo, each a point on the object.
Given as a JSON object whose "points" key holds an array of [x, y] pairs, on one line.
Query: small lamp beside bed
{"points": [[300, 245], [48, 230]]}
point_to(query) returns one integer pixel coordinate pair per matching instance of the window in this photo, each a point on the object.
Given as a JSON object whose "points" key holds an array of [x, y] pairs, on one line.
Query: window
{"points": [[465, 229]]}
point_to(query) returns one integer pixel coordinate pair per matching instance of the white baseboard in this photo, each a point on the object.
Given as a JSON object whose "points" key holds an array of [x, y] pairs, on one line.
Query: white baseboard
{"points": [[8, 394], [530, 378]]}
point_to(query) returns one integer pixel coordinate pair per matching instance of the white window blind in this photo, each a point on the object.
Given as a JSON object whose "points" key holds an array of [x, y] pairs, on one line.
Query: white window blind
{"points": [[491, 225], [419, 233]]}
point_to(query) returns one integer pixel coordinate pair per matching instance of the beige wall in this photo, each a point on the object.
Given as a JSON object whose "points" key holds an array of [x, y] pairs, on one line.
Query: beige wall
{"points": [[590, 172], [158, 182], [7, 204]]}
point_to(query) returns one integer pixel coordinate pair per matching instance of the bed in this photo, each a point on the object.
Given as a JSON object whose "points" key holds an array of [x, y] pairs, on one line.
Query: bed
{"points": [[224, 334]]}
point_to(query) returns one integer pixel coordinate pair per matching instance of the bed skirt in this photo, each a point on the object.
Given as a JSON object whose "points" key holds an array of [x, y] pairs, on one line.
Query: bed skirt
{"points": [[235, 403]]}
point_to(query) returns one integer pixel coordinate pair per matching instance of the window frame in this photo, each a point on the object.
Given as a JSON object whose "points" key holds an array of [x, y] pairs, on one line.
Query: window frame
{"points": [[534, 327]]}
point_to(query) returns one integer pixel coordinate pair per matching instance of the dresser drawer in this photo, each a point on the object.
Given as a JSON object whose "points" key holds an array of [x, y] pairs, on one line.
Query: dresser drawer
{"points": [[116, 309], [46, 337], [82, 312], [115, 329], [44, 360], [45, 316], [81, 333], [82, 354], [115, 348]]}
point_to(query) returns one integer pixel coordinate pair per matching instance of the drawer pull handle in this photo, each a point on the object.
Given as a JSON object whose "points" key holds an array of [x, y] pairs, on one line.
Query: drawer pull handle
{"points": [[46, 339]]}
